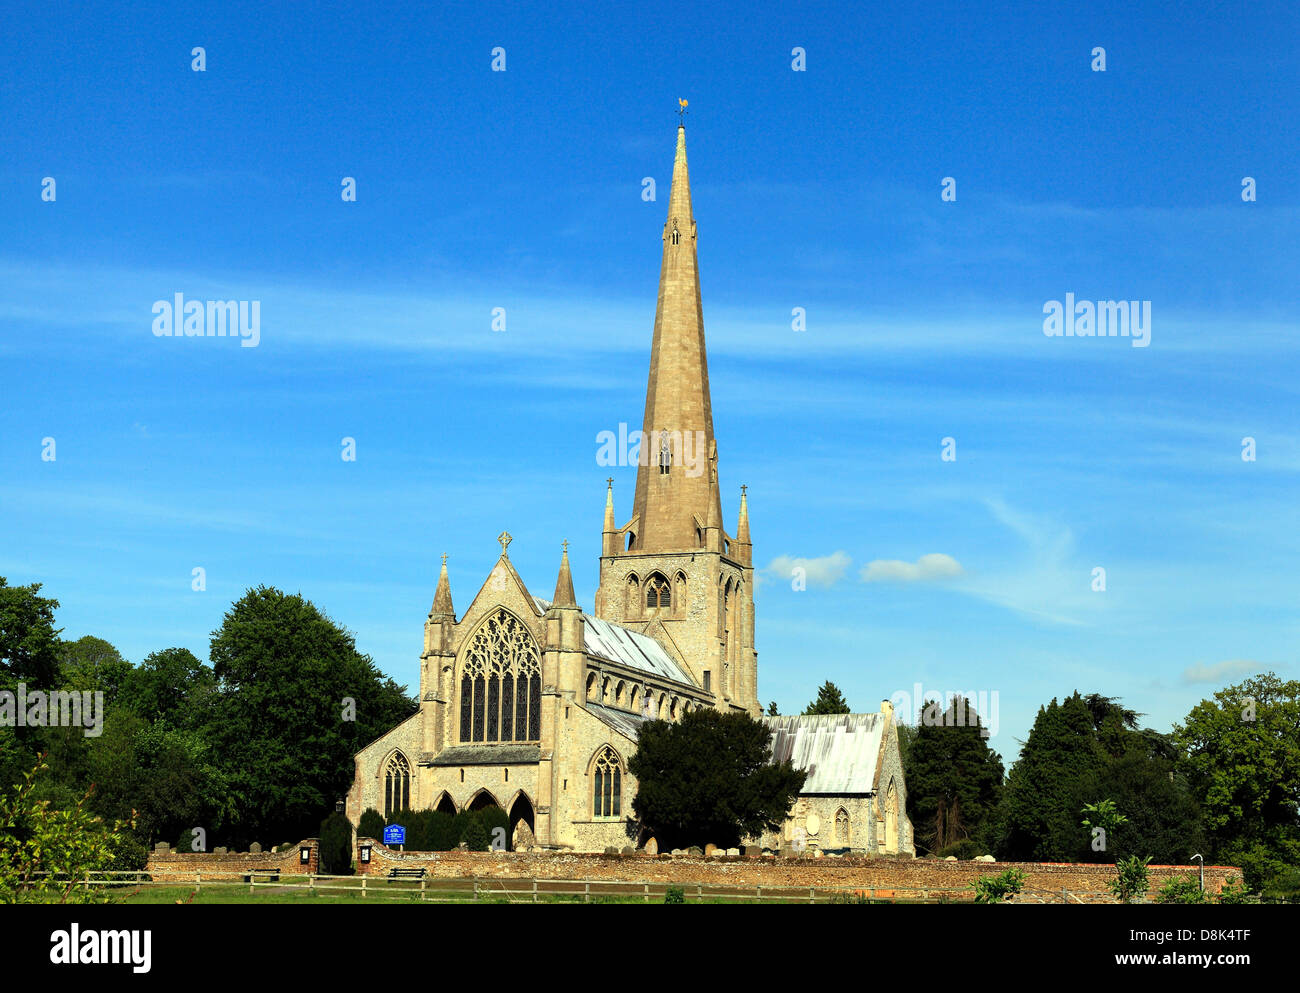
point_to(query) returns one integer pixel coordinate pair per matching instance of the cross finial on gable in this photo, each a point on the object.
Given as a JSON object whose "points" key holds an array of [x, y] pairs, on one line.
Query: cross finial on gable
{"points": [[610, 480], [565, 543], [505, 539], [444, 558]]}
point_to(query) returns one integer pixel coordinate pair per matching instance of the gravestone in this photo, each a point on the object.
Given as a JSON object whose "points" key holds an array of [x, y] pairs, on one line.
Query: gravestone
{"points": [[652, 847], [162, 846], [255, 849]]}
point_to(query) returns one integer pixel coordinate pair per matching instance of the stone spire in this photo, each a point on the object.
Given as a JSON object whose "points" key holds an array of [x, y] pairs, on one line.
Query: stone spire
{"points": [[676, 490], [744, 547], [564, 583], [442, 596]]}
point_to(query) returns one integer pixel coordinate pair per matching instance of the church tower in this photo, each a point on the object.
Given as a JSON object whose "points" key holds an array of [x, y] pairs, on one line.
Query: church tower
{"points": [[672, 571]]}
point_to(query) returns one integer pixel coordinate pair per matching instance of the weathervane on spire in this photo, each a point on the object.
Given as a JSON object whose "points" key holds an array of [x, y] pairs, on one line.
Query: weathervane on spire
{"points": [[681, 112]]}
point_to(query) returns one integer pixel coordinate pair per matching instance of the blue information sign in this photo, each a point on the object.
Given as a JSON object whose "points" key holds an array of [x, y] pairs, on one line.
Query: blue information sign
{"points": [[394, 834]]}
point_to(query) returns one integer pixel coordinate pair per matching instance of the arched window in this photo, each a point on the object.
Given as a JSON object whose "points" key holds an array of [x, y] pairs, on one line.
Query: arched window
{"points": [[397, 785], [633, 595], [665, 455], [592, 682], [657, 592], [501, 683], [607, 784], [842, 826]]}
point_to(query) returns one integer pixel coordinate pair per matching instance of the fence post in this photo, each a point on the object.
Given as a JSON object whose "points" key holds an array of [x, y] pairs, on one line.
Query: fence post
{"points": [[421, 889], [760, 893], [363, 886], [311, 883], [534, 889], [476, 890], [699, 892], [586, 892], [811, 899], [198, 881]]}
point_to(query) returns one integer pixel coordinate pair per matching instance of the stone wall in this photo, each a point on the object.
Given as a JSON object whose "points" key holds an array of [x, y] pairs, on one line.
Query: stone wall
{"points": [[170, 865], [878, 877]]}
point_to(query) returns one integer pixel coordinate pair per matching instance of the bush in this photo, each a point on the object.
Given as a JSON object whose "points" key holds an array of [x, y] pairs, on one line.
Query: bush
{"points": [[186, 841], [129, 854], [964, 850], [1131, 881], [494, 818], [995, 889], [443, 836], [1283, 886], [476, 836], [1182, 889], [371, 825], [1235, 894], [674, 894], [336, 845]]}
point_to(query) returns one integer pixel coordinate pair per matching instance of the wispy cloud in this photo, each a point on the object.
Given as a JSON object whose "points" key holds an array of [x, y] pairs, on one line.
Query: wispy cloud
{"points": [[1220, 672], [930, 567], [826, 570]]}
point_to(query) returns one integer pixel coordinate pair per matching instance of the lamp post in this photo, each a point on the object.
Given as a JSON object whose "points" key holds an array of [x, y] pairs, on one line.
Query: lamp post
{"points": [[1201, 860]]}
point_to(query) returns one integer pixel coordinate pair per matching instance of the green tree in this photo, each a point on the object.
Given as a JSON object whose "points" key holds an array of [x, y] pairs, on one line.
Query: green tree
{"points": [[171, 686], [336, 845], [829, 701], [1131, 880], [772, 711], [1242, 758], [295, 701], [954, 780], [710, 778], [371, 825], [45, 852], [29, 642], [92, 664]]}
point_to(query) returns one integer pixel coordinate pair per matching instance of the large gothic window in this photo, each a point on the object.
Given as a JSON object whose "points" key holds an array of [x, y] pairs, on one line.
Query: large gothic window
{"points": [[842, 826], [397, 785], [657, 592], [607, 784], [501, 683]]}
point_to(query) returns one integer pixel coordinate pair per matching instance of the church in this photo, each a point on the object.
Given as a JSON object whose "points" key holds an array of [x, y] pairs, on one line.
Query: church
{"points": [[533, 705]]}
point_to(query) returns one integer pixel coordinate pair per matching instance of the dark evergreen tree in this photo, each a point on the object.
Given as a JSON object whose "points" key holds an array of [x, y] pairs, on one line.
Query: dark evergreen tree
{"points": [[829, 701], [954, 781]]}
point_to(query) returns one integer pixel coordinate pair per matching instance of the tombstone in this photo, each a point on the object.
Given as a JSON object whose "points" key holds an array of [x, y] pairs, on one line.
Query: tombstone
{"points": [[733, 851], [710, 850], [627, 850], [678, 851], [984, 858], [611, 849], [652, 847], [255, 849], [749, 850], [950, 858], [220, 851], [162, 846], [695, 851]]}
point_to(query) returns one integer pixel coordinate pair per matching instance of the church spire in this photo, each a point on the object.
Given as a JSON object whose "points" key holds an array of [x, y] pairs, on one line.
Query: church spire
{"points": [[676, 490], [564, 583], [442, 595]]}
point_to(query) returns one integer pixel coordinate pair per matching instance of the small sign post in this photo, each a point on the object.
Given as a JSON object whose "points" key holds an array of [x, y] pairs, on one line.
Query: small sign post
{"points": [[395, 834]]}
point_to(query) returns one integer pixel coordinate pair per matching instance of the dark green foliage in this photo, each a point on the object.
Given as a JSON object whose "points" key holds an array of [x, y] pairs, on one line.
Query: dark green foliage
{"points": [[92, 664], [476, 836], [772, 711], [954, 781], [495, 818], [962, 850], [336, 845], [29, 644], [709, 778], [674, 894], [281, 726], [829, 701], [433, 830], [129, 853], [371, 825], [185, 843], [171, 686]]}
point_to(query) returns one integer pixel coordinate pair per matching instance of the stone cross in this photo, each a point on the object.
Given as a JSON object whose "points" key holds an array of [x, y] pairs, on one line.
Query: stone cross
{"points": [[565, 543], [505, 539]]}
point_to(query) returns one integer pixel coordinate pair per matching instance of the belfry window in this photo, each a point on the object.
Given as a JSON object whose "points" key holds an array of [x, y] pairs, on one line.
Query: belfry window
{"points": [[607, 785], [501, 683], [677, 235], [658, 593], [665, 458], [397, 785]]}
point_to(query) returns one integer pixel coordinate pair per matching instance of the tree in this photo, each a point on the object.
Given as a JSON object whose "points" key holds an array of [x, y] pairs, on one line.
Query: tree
{"points": [[829, 701], [772, 711], [954, 780], [336, 845], [295, 702], [1242, 759], [29, 643], [1131, 879], [371, 824], [172, 686], [92, 664], [710, 778], [45, 852]]}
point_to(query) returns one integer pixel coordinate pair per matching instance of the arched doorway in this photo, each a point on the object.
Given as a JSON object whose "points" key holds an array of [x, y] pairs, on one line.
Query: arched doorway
{"points": [[521, 823], [891, 820], [446, 805], [482, 800]]}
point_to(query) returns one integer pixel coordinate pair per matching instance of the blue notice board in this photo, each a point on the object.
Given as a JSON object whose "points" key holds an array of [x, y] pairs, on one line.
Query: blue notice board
{"points": [[394, 834]]}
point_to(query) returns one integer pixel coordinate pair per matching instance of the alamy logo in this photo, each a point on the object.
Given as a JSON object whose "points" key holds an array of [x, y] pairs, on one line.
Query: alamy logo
{"points": [[1105, 318], [664, 448], [179, 318], [78, 947], [55, 708]]}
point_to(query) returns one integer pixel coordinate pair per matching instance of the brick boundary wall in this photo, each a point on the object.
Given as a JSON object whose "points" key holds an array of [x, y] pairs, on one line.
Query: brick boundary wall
{"points": [[1044, 881], [182, 866]]}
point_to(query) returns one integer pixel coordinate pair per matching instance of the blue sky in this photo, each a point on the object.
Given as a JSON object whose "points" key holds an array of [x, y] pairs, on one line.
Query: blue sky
{"points": [[522, 190]]}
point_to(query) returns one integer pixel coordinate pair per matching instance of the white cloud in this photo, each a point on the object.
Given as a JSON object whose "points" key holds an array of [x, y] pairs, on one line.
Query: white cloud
{"points": [[1219, 672], [936, 565], [824, 571]]}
